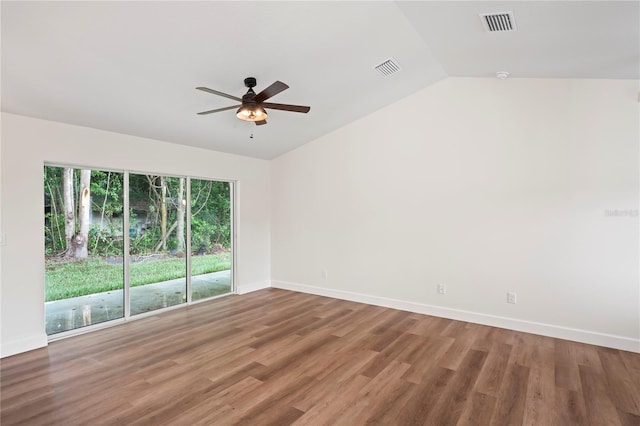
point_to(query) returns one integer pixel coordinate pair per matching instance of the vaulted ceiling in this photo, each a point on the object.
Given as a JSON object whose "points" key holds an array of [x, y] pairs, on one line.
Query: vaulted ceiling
{"points": [[132, 67]]}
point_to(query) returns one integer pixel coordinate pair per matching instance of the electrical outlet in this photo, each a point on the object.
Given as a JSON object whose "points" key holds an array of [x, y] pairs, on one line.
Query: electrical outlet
{"points": [[442, 289], [325, 273], [511, 297]]}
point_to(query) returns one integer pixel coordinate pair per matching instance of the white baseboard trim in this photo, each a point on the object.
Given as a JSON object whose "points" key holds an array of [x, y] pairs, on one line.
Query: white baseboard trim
{"points": [[248, 288], [23, 345], [550, 330]]}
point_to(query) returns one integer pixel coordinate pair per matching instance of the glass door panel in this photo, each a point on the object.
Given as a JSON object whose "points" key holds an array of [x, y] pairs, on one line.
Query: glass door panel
{"points": [[157, 230], [85, 239], [84, 275], [210, 238]]}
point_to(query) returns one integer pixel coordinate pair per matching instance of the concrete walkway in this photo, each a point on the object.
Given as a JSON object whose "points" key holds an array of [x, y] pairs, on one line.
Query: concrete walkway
{"points": [[67, 314]]}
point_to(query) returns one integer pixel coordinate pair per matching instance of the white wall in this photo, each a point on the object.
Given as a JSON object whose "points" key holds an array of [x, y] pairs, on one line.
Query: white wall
{"points": [[485, 185], [27, 143]]}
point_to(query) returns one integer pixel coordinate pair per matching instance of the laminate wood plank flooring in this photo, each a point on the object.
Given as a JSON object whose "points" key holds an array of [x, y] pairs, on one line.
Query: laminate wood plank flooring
{"points": [[276, 357]]}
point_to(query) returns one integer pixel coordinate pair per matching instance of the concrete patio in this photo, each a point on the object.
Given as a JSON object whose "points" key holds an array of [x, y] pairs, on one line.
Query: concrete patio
{"points": [[75, 312]]}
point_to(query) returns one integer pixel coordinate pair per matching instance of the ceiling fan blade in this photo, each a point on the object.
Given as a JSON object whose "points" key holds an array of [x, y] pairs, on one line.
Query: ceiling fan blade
{"points": [[270, 91], [215, 92], [285, 107], [261, 122], [219, 109]]}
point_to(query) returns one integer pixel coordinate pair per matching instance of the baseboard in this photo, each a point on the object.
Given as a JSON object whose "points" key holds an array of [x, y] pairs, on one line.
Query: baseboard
{"points": [[23, 345], [550, 330], [248, 288]]}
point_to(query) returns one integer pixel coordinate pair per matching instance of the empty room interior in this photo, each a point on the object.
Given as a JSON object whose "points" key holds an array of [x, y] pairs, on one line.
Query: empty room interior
{"points": [[320, 213]]}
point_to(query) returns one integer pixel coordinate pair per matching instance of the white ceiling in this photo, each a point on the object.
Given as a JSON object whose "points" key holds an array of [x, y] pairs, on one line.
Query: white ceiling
{"points": [[132, 67]]}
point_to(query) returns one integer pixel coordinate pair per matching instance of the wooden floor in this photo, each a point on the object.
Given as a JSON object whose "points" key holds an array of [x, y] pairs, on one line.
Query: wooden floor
{"points": [[279, 357]]}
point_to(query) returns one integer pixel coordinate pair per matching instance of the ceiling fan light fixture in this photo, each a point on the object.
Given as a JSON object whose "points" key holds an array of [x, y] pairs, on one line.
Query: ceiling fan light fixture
{"points": [[251, 113]]}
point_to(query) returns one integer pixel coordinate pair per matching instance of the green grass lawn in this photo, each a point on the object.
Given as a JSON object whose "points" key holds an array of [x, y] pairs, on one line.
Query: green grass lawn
{"points": [[95, 275]]}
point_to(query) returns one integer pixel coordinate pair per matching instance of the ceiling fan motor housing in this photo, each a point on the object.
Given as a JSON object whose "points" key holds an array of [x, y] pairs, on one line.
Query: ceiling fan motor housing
{"points": [[248, 97]]}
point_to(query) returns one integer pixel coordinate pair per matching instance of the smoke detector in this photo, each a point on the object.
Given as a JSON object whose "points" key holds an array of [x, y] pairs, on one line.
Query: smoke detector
{"points": [[502, 75]]}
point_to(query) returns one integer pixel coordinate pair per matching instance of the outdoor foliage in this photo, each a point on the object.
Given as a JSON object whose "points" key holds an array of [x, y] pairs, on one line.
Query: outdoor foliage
{"points": [[157, 213], [84, 233]]}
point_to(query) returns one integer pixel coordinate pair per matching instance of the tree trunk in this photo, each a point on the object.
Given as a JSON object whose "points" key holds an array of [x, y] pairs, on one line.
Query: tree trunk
{"points": [[104, 202], [69, 210], [102, 212], [163, 211], [157, 248], [182, 204], [81, 239]]}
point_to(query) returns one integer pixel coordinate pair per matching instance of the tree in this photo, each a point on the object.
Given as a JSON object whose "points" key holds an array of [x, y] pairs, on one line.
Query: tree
{"points": [[76, 242], [107, 200], [181, 205], [210, 214], [81, 238], [163, 211], [69, 209]]}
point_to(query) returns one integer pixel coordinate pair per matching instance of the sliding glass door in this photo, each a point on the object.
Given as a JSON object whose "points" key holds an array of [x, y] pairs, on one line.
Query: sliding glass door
{"points": [[157, 230], [210, 238], [84, 275], [178, 232]]}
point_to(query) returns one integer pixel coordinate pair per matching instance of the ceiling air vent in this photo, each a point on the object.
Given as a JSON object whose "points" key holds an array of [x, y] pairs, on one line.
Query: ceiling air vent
{"points": [[498, 22], [388, 67]]}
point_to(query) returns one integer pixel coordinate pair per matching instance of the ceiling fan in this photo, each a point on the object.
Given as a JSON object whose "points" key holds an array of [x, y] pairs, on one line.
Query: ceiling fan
{"points": [[252, 106]]}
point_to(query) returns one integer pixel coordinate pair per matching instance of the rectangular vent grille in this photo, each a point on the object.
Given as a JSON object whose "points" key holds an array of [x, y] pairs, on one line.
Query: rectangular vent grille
{"points": [[498, 22], [387, 68]]}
